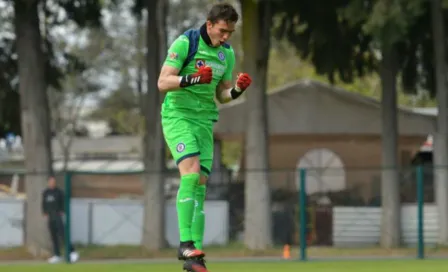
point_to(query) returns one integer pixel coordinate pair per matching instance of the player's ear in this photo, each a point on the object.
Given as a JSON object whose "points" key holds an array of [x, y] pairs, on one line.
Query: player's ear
{"points": [[209, 24]]}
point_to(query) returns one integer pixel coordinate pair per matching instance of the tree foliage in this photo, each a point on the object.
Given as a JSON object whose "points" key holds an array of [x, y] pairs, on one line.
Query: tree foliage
{"points": [[58, 62], [336, 47], [9, 96], [343, 38]]}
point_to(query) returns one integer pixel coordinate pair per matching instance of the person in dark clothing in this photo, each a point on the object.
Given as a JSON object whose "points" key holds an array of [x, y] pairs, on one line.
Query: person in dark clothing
{"points": [[53, 210]]}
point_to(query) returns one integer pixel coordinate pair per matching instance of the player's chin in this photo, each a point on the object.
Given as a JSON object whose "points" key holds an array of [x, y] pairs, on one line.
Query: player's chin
{"points": [[219, 43]]}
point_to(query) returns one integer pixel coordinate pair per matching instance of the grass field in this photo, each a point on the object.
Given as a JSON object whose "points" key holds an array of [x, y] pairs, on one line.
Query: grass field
{"points": [[336, 266], [229, 251]]}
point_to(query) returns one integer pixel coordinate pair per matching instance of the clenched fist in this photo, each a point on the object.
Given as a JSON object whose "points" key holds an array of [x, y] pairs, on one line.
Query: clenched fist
{"points": [[243, 81], [204, 75]]}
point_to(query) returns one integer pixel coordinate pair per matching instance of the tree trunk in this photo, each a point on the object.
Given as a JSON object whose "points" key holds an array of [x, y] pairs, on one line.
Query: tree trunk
{"points": [[441, 136], [154, 154], [390, 220], [256, 26], [35, 121], [139, 43]]}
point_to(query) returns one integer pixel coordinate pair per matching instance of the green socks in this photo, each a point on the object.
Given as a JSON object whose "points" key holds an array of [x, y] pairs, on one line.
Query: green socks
{"points": [[190, 209], [185, 205], [198, 225]]}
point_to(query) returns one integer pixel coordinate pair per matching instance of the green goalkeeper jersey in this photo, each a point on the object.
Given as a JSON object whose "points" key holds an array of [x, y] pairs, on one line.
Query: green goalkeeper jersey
{"points": [[197, 101]]}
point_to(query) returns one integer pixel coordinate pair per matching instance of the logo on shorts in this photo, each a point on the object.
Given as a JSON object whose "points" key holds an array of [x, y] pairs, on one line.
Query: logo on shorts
{"points": [[221, 56], [180, 147]]}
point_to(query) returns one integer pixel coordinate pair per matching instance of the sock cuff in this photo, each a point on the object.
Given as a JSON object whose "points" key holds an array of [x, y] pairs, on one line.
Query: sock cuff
{"points": [[191, 179], [201, 188]]}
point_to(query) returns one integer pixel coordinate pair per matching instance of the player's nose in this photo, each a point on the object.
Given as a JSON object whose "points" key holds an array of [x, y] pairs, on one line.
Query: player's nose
{"points": [[225, 37]]}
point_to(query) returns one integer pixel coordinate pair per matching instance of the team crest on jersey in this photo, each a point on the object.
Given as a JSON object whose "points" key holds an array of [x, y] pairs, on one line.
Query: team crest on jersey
{"points": [[221, 56], [180, 147], [199, 63]]}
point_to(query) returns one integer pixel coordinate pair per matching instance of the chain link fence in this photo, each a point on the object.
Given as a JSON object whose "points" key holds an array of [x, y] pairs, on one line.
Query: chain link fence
{"points": [[343, 214]]}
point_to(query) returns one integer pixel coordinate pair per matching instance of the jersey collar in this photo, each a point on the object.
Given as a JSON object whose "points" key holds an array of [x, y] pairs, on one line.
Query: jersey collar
{"points": [[205, 36]]}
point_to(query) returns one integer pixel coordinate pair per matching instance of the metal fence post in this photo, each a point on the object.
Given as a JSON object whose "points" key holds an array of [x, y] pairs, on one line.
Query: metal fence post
{"points": [[67, 198], [302, 209], [420, 213]]}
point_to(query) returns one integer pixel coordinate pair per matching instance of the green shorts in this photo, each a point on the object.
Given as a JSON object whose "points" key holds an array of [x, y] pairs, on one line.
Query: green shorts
{"points": [[189, 138]]}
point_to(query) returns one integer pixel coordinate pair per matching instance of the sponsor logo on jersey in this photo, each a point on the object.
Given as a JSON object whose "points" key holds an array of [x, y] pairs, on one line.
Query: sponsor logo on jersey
{"points": [[174, 56], [218, 68]]}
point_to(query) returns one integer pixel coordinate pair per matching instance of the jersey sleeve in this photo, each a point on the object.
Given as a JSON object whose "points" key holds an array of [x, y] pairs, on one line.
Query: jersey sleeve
{"points": [[177, 53], [230, 65]]}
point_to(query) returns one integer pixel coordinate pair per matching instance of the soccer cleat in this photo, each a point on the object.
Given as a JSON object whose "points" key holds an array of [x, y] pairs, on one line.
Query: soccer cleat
{"points": [[74, 257], [188, 251], [195, 265], [54, 260], [201, 261]]}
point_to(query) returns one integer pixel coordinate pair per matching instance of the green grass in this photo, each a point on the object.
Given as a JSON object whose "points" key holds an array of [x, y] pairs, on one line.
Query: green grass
{"points": [[229, 251], [337, 266]]}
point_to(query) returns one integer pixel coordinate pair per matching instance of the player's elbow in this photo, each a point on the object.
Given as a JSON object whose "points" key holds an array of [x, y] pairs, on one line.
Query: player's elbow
{"points": [[161, 85]]}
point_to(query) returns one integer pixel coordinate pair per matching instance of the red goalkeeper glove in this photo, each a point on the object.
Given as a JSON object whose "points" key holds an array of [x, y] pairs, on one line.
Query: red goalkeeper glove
{"points": [[243, 81], [204, 75]]}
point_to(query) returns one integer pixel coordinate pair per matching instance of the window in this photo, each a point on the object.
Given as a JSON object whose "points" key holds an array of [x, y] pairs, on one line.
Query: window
{"points": [[325, 171]]}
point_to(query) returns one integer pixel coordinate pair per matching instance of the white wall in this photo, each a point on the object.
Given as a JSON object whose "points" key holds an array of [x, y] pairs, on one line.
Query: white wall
{"points": [[113, 222], [360, 226], [11, 217]]}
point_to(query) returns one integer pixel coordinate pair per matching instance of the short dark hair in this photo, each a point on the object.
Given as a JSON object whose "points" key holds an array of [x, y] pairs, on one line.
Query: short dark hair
{"points": [[223, 11]]}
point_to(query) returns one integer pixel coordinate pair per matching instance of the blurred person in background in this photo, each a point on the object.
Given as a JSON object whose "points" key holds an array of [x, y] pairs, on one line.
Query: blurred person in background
{"points": [[53, 210]]}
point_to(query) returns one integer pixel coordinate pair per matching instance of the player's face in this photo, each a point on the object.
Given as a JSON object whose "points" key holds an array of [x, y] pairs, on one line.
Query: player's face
{"points": [[220, 31], [51, 182]]}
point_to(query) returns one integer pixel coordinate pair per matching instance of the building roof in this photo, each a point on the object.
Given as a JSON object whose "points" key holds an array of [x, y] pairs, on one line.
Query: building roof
{"points": [[311, 107], [106, 166], [103, 145]]}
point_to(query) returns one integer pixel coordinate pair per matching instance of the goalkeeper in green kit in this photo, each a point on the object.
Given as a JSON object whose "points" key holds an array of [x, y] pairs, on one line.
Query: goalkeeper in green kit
{"points": [[197, 69]]}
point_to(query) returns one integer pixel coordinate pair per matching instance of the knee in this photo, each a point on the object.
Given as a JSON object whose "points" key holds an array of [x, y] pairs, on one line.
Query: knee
{"points": [[189, 166]]}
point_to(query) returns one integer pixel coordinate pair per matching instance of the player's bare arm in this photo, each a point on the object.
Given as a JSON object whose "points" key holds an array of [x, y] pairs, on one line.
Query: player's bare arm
{"points": [[223, 91], [226, 92], [169, 79]]}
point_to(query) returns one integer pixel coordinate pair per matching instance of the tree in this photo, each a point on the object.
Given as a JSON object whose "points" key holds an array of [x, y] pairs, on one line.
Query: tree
{"points": [[35, 119], [441, 136], [154, 152], [256, 45], [419, 42], [38, 69], [389, 23], [9, 95], [184, 15], [69, 98], [66, 110], [121, 109], [344, 38]]}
